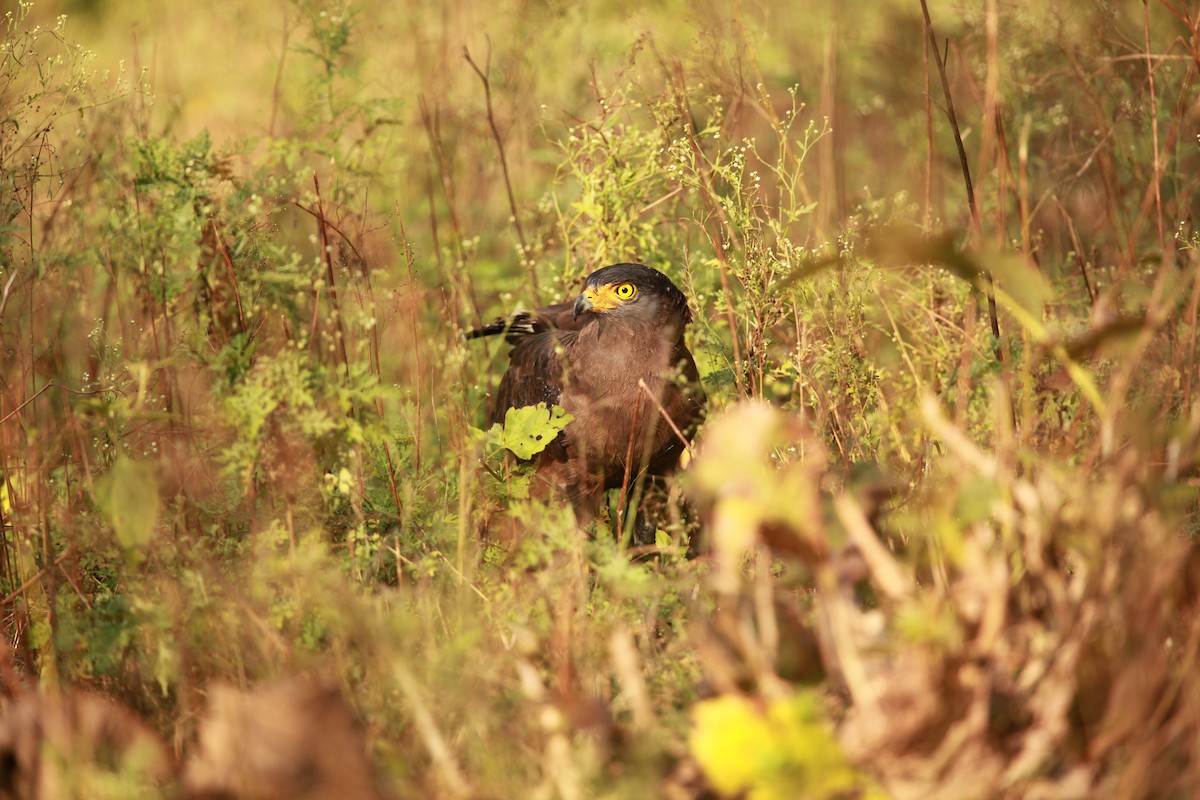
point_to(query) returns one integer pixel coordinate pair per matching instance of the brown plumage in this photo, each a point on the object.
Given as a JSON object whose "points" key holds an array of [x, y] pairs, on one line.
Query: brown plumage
{"points": [[588, 356]]}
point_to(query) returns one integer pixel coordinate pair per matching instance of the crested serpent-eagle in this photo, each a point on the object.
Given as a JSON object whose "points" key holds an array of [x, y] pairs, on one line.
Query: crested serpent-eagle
{"points": [[592, 356]]}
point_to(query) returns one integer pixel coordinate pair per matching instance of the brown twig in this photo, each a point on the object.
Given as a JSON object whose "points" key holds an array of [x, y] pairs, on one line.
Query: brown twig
{"points": [[1157, 185], [484, 77], [712, 211], [277, 91], [237, 292], [929, 138], [637, 407], [991, 101], [49, 575], [416, 337], [312, 331], [38, 394], [34, 578], [430, 122], [358, 256], [327, 258], [1190, 372], [457, 277], [976, 222], [667, 417], [1079, 254]]}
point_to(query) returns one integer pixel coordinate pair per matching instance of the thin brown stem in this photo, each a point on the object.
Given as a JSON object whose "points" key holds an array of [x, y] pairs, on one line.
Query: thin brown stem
{"points": [[277, 90], [34, 578], [1158, 170], [666, 417], [485, 78], [637, 407], [416, 338], [991, 112], [333, 225], [38, 394], [968, 184], [716, 236], [327, 258], [224, 251], [458, 275], [1193, 313], [312, 331], [1079, 254], [928, 138]]}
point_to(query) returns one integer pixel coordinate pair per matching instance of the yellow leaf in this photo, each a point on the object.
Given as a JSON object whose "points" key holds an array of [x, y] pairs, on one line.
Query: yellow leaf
{"points": [[727, 735], [787, 751]]}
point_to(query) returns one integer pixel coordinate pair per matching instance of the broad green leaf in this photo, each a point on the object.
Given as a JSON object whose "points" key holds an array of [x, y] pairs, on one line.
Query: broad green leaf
{"points": [[128, 497], [529, 429]]}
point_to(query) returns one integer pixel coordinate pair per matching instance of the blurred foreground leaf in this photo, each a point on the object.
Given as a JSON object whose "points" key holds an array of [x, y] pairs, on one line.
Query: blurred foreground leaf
{"points": [[128, 497], [1028, 288], [783, 752]]}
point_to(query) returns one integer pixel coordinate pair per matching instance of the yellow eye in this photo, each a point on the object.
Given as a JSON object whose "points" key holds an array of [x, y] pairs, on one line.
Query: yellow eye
{"points": [[626, 291]]}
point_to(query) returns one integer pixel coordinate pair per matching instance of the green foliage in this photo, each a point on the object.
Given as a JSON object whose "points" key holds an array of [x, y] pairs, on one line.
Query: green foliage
{"points": [[128, 496], [240, 433], [527, 431]]}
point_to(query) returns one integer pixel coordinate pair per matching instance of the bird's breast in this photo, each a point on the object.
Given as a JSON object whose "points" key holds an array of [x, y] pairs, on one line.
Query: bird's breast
{"points": [[604, 393]]}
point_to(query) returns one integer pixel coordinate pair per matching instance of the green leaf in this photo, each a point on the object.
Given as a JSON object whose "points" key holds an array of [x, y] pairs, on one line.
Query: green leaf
{"points": [[529, 429], [976, 500], [128, 498], [721, 377]]}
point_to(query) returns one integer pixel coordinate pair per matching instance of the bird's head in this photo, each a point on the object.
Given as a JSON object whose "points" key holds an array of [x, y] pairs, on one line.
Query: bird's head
{"points": [[634, 292]]}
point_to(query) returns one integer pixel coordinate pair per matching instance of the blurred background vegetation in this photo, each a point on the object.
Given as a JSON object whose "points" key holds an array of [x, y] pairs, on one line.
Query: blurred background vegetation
{"points": [[946, 497]]}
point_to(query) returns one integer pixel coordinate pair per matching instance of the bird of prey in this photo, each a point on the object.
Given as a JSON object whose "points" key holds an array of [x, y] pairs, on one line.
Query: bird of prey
{"points": [[592, 356]]}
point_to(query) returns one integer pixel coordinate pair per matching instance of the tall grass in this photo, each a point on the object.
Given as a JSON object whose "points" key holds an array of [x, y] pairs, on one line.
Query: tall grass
{"points": [[946, 496]]}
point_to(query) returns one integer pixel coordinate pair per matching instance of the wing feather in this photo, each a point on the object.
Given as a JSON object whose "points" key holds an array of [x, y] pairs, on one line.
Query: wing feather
{"points": [[522, 324], [535, 372]]}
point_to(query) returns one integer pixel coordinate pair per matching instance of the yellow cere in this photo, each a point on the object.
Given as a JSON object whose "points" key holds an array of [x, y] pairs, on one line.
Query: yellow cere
{"points": [[610, 295]]}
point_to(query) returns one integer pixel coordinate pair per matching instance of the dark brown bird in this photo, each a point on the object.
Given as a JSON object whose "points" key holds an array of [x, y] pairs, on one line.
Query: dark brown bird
{"points": [[588, 356]]}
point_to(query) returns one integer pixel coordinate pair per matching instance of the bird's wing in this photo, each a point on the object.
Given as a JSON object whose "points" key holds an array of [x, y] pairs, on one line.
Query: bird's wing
{"points": [[559, 316], [535, 372]]}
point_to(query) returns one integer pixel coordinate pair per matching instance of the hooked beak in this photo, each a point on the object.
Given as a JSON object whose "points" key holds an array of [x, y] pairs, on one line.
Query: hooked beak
{"points": [[597, 299], [583, 303]]}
